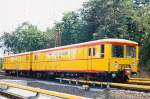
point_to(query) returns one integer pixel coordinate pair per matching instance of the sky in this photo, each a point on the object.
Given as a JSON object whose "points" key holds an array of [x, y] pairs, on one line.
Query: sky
{"points": [[42, 13]]}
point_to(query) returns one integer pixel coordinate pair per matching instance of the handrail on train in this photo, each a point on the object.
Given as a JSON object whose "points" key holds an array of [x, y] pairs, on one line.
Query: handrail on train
{"points": [[42, 91]]}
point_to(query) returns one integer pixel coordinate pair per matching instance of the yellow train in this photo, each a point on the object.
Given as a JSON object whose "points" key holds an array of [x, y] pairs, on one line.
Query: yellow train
{"points": [[99, 59]]}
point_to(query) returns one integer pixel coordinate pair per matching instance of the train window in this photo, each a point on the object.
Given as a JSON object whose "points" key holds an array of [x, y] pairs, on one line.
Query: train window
{"points": [[90, 52], [131, 52], [94, 51], [117, 51], [102, 51]]}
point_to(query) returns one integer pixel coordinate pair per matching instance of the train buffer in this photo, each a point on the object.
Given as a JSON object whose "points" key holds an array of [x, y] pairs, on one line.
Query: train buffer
{"points": [[25, 92]]}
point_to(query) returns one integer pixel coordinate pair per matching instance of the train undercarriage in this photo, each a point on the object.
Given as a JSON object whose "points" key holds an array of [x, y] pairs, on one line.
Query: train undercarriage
{"points": [[120, 76]]}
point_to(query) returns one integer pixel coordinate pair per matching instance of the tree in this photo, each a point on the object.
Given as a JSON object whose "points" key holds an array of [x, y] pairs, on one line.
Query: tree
{"points": [[105, 18], [50, 36], [137, 13], [142, 18], [25, 38], [145, 54], [72, 28]]}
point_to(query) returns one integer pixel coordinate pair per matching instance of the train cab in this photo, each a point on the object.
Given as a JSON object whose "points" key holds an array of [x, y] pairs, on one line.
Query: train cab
{"points": [[123, 58]]}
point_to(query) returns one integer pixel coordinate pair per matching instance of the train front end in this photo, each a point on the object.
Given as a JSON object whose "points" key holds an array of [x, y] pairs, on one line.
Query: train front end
{"points": [[124, 59]]}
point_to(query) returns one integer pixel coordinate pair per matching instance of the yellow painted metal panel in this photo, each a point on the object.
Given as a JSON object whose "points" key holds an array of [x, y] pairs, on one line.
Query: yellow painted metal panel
{"points": [[17, 62]]}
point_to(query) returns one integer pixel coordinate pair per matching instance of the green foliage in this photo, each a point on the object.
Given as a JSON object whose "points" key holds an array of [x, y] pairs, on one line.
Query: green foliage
{"points": [[50, 37], [142, 18], [72, 28], [105, 18], [25, 38], [145, 54]]}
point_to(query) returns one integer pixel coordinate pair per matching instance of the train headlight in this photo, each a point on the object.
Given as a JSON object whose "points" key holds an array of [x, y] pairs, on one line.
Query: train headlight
{"points": [[116, 64]]}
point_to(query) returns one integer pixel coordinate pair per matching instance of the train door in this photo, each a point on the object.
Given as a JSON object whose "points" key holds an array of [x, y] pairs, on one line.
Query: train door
{"points": [[95, 57], [91, 55], [89, 59]]}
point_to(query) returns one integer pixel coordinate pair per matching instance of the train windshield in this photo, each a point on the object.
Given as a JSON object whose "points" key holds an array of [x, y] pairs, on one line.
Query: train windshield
{"points": [[130, 52], [117, 51]]}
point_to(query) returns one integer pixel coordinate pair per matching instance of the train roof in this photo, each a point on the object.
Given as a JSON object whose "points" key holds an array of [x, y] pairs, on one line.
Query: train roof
{"points": [[19, 54], [102, 41]]}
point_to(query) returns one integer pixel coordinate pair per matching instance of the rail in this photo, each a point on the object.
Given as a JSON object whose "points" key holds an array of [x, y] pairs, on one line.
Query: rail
{"points": [[132, 86], [139, 82], [42, 91], [141, 79]]}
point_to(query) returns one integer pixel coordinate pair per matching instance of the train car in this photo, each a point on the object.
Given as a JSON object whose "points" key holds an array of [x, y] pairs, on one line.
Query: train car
{"points": [[115, 59], [20, 63]]}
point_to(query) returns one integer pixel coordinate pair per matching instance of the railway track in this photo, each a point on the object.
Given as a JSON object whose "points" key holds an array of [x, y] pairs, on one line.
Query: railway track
{"points": [[134, 86], [134, 83], [34, 93], [114, 90]]}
